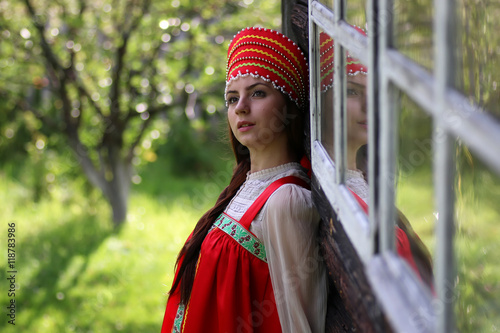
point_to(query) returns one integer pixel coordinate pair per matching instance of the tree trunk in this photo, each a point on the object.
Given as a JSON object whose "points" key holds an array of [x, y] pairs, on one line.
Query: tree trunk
{"points": [[112, 173], [119, 185], [119, 202], [116, 185]]}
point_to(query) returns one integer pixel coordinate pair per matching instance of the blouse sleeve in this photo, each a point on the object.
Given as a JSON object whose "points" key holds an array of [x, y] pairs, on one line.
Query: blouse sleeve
{"points": [[297, 270]]}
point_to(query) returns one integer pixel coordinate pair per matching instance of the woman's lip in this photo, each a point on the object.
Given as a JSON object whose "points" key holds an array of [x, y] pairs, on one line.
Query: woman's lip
{"points": [[244, 125], [245, 128]]}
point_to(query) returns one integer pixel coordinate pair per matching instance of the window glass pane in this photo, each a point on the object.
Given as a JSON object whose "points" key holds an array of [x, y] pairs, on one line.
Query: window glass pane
{"points": [[326, 102], [477, 293], [415, 187], [356, 13], [412, 24], [356, 106], [328, 3], [357, 127], [479, 53], [477, 300]]}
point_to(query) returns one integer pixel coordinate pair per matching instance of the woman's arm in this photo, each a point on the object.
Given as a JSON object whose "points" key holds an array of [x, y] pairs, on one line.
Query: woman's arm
{"points": [[297, 269]]}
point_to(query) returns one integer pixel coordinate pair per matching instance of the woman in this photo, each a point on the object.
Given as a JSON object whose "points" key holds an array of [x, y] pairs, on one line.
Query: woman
{"points": [[357, 121], [409, 245], [252, 263]]}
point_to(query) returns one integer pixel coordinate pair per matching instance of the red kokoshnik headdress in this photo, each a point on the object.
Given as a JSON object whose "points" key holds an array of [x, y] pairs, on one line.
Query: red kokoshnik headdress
{"points": [[326, 55], [273, 57]]}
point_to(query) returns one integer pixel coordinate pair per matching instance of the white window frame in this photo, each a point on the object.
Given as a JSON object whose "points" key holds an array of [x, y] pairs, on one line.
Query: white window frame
{"points": [[409, 306]]}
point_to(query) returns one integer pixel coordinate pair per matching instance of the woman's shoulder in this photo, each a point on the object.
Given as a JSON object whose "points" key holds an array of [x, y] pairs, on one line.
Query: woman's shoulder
{"points": [[291, 198], [291, 206]]}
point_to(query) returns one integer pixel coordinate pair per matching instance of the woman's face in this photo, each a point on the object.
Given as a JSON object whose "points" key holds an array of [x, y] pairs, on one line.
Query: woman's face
{"points": [[257, 113], [357, 124]]}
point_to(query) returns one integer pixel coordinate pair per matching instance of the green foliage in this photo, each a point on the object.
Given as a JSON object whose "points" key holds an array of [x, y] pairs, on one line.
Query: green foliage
{"points": [[110, 78], [194, 152]]}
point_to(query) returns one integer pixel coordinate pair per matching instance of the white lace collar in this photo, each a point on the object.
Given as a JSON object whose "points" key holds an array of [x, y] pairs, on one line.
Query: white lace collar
{"points": [[272, 172]]}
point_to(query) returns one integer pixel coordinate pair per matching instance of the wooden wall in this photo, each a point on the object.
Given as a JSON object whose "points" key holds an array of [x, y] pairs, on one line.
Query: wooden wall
{"points": [[352, 306]]}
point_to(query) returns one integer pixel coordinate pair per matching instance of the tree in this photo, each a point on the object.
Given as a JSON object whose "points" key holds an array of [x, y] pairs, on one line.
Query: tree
{"points": [[104, 74]]}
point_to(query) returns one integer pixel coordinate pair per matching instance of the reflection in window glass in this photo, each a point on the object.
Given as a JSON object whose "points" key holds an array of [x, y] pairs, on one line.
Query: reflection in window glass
{"points": [[326, 95], [477, 295], [479, 53], [328, 3], [413, 21], [356, 12], [357, 122], [414, 193], [357, 127]]}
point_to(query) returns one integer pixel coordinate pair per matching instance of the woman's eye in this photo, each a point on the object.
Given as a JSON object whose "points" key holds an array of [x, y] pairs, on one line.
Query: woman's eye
{"points": [[232, 100], [259, 93], [352, 92]]}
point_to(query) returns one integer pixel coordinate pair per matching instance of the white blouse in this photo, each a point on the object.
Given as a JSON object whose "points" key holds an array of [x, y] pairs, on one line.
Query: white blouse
{"points": [[288, 225], [356, 182]]}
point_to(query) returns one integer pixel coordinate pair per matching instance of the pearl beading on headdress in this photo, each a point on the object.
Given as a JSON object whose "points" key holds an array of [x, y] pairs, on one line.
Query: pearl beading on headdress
{"points": [[271, 56], [353, 66]]}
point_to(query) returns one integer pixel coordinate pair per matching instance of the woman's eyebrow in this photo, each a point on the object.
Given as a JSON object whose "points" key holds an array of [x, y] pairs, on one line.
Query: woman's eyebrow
{"points": [[357, 84], [250, 87]]}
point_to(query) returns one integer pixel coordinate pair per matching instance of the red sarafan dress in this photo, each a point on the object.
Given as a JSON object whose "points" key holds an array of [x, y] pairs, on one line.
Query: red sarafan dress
{"points": [[403, 246], [232, 290]]}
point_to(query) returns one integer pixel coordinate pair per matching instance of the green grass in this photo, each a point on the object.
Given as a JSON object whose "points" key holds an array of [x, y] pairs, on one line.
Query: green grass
{"points": [[76, 274]]}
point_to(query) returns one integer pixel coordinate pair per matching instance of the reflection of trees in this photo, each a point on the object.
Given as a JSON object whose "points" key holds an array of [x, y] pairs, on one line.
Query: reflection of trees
{"points": [[478, 54], [413, 30], [479, 44], [478, 49], [481, 52], [103, 77]]}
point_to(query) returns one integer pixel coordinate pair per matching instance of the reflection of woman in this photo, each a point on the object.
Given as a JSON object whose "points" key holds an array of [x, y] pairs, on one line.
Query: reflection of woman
{"points": [[357, 125], [252, 263], [409, 245]]}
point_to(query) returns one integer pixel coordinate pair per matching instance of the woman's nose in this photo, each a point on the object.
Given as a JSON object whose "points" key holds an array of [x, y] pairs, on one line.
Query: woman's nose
{"points": [[242, 106]]}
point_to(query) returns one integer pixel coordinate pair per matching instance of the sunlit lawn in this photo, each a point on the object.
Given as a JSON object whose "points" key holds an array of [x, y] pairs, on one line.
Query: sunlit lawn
{"points": [[75, 274]]}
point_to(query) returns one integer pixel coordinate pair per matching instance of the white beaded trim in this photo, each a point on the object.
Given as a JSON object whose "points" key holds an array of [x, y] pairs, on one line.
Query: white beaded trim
{"points": [[302, 94], [257, 75], [325, 87]]}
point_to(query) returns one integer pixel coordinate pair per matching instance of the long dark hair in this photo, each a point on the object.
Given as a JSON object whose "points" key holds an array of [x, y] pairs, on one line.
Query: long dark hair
{"points": [[188, 256]]}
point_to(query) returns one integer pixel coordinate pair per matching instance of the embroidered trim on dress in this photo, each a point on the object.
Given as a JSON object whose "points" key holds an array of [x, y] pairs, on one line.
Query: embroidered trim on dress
{"points": [[182, 311], [249, 242], [178, 319]]}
